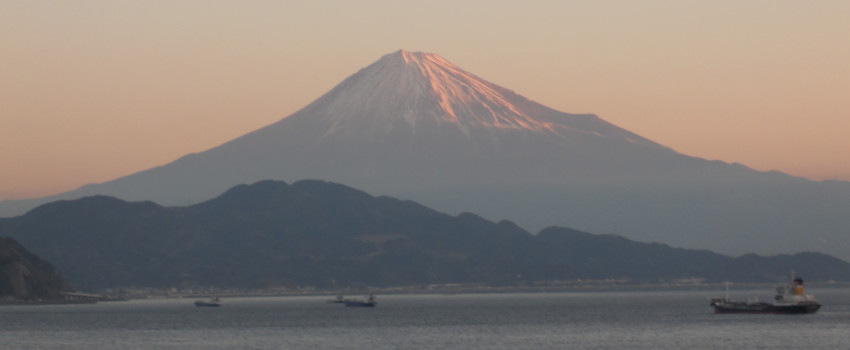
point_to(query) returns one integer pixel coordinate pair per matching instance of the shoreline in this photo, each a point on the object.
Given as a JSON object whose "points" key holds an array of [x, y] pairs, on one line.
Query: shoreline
{"points": [[150, 293]]}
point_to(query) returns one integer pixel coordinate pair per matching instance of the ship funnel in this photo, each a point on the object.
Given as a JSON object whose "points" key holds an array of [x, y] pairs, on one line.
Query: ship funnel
{"points": [[798, 286]]}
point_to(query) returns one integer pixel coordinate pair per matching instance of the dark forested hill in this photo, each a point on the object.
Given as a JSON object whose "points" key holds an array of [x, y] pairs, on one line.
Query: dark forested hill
{"points": [[24, 277], [321, 234]]}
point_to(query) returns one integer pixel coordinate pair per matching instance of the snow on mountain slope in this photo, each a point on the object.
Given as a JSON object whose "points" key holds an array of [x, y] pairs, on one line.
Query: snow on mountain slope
{"points": [[423, 87], [415, 91]]}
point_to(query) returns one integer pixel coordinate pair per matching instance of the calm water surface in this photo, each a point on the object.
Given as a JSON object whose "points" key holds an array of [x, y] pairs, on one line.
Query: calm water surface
{"points": [[604, 320]]}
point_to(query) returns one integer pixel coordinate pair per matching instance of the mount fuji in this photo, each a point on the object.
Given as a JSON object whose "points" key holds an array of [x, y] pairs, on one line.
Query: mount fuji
{"points": [[413, 125]]}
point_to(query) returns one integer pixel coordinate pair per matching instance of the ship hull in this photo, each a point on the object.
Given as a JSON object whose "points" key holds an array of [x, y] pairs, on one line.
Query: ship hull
{"points": [[207, 304], [358, 303], [765, 308]]}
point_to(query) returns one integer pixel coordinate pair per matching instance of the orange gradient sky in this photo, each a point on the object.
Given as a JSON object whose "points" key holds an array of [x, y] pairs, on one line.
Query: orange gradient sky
{"points": [[94, 90]]}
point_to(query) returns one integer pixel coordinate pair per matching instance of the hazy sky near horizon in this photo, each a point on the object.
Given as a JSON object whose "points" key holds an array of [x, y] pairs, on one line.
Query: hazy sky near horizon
{"points": [[94, 90]]}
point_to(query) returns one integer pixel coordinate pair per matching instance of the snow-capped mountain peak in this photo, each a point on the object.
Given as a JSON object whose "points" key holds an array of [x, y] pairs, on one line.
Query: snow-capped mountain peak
{"points": [[421, 88], [467, 99]]}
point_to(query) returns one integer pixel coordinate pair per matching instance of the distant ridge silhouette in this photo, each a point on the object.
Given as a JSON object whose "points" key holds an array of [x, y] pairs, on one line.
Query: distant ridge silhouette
{"points": [[326, 235]]}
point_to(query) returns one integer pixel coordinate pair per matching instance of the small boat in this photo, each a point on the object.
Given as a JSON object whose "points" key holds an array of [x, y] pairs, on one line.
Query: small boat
{"points": [[789, 299], [338, 299], [213, 302], [370, 302]]}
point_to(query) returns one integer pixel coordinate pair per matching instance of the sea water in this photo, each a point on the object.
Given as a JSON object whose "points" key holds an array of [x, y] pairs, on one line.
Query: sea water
{"points": [[571, 320]]}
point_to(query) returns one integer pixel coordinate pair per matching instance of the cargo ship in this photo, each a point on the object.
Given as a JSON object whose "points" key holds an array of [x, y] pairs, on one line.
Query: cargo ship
{"points": [[789, 299]]}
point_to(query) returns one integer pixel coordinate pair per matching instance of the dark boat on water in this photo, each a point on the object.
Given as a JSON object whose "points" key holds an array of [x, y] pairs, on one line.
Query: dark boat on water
{"points": [[338, 299], [214, 302], [370, 302], [789, 299]]}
